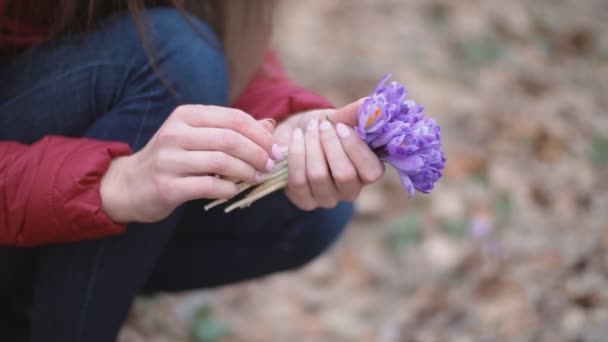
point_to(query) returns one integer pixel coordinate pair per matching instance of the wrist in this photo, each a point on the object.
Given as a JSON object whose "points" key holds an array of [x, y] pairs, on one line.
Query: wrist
{"points": [[114, 192]]}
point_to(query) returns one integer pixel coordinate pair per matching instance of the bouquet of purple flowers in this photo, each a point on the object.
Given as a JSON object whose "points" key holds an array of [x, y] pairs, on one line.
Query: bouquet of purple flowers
{"points": [[396, 129]]}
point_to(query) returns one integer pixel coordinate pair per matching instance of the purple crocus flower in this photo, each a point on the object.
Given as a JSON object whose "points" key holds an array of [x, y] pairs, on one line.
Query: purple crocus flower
{"points": [[379, 108], [397, 130]]}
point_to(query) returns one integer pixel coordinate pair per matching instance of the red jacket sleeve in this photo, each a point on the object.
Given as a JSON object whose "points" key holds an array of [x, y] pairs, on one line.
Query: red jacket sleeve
{"points": [[271, 94], [49, 191]]}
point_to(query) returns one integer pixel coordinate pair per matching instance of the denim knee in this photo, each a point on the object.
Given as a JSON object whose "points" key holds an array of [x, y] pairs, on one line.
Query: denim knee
{"points": [[176, 54], [189, 56], [178, 62], [315, 233]]}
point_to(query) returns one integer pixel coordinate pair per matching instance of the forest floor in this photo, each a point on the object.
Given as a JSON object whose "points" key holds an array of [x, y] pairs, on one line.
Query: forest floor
{"points": [[513, 243]]}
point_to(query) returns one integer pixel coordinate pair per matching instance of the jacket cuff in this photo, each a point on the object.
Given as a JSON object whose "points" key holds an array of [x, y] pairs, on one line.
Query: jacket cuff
{"points": [[74, 199]]}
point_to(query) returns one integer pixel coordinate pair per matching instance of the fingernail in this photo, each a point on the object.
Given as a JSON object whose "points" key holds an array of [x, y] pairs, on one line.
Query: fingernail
{"points": [[269, 165], [324, 126], [297, 134], [258, 177], [273, 122], [343, 131], [277, 154], [312, 125]]}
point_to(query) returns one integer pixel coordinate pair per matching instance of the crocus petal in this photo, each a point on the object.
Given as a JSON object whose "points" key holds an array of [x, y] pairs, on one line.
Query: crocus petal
{"points": [[360, 132], [406, 183], [373, 113], [388, 133], [407, 165], [381, 83], [425, 179]]}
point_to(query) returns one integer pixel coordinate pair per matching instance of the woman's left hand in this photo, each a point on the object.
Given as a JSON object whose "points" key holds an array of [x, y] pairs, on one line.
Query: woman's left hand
{"points": [[328, 162]]}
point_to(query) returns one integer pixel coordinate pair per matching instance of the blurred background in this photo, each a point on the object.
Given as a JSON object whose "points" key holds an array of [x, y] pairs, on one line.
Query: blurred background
{"points": [[513, 243]]}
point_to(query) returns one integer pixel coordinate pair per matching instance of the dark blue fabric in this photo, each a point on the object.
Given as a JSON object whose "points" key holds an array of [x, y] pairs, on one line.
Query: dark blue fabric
{"points": [[100, 85]]}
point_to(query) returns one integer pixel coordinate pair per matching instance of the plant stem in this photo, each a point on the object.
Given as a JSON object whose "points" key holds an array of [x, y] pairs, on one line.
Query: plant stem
{"points": [[267, 180], [240, 188], [252, 198]]}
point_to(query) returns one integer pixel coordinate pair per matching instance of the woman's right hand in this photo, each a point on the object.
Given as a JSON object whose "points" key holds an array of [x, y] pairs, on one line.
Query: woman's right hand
{"points": [[181, 161]]}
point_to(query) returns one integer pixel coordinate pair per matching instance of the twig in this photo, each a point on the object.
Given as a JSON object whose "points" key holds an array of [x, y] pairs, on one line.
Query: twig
{"points": [[265, 186], [240, 188], [250, 199], [281, 174], [267, 180]]}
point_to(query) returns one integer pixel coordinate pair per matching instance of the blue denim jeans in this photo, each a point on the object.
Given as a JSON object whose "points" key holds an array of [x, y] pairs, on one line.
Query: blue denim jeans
{"points": [[101, 86]]}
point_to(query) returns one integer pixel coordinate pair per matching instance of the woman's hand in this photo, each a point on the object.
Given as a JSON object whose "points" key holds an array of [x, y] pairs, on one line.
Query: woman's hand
{"points": [[181, 162], [327, 163]]}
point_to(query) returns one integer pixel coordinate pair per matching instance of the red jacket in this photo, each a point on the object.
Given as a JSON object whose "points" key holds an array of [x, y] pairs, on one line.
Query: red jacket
{"points": [[49, 191]]}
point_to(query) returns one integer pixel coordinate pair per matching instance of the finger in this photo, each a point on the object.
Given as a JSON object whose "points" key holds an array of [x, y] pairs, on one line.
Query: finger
{"points": [[298, 189], [234, 119], [343, 171], [269, 124], [198, 163], [319, 178], [369, 167], [348, 114], [198, 187], [229, 142]]}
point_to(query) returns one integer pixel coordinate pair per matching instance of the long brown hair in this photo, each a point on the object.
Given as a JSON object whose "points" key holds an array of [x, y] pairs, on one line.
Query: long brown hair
{"points": [[243, 25]]}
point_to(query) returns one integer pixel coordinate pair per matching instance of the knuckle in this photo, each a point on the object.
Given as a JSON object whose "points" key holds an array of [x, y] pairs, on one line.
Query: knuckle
{"points": [[307, 206], [230, 193], [224, 191], [301, 203], [168, 135], [160, 161], [373, 174], [352, 196], [164, 189], [329, 203], [298, 184], [188, 141], [248, 174], [184, 112], [227, 141], [346, 176], [254, 156], [217, 162], [318, 176], [239, 119], [206, 184], [261, 158], [180, 111], [242, 124]]}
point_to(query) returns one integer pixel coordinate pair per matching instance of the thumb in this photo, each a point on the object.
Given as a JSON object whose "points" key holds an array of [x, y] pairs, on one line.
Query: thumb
{"points": [[348, 115]]}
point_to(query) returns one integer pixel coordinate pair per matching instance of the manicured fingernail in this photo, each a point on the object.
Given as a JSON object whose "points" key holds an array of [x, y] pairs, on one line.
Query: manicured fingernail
{"points": [[269, 165], [312, 125], [277, 154], [297, 134], [324, 126], [258, 177], [343, 131]]}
